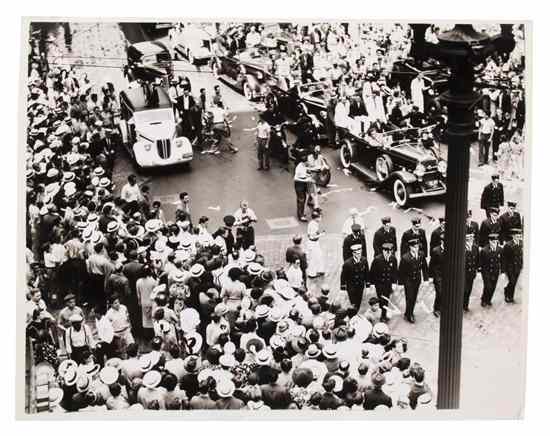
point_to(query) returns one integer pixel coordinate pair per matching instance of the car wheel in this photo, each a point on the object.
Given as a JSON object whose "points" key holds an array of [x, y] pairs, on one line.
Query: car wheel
{"points": [[247, 91], [346, 154], [401, 192], [384, 167]]}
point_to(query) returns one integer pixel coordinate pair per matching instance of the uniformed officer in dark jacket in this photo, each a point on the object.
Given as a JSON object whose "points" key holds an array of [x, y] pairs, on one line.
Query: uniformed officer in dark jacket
{"points": [[355, 276], [490, 263], [489, 226], [383, 235], [512, 263], [436, 272], [435, 238], [492, 195], [415, 232], [509, 220], [472, 227], [355, 237], [383, 275], [412, 269], [471, 267]]}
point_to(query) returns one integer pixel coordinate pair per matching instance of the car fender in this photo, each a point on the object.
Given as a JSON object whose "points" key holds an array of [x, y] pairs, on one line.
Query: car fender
{"points": [[142, 156], [406, 176], [123, 128], [186, 147]]}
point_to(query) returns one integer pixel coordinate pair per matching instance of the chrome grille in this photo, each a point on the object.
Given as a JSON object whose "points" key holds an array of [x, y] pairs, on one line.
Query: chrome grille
{"points": [[163, 147]]}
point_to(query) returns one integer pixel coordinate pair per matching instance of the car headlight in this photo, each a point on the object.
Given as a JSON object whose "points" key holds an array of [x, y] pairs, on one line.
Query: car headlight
{"points": [[147, 146], [420, 170], [178, 142], [259, 75], [442, 167], [323, 114]]}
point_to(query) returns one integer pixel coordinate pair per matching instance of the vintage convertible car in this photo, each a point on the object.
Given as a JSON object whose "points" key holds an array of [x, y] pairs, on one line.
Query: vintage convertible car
{"points": [[148, 129], [403, 166], [248, 71], [148, 60]]}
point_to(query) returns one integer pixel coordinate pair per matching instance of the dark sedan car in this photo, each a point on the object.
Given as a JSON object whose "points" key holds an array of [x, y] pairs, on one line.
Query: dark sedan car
{"points": [[403, 166]]}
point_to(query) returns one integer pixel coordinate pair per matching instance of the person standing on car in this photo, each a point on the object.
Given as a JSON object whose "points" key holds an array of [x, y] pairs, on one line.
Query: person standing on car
{"points": [[263, 134]]}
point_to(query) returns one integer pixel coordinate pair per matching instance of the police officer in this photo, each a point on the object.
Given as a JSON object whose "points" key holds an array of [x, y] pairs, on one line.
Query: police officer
{"points": [[383, 275], [385, 234], [355, 237], [412, 269], [471, 267], [490, 260], [489, 226], [509, 220], [472, 227], [415, 232], [436, 272], [492, 195], [512, 263], [435, 237], [355, 276]]}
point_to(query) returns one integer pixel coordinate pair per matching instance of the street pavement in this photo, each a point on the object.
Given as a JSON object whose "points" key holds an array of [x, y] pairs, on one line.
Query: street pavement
{"points": [[493, 339]]}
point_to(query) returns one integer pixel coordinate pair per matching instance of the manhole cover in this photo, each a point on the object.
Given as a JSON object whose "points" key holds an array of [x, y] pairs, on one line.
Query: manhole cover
{"points": [[282, 223]]}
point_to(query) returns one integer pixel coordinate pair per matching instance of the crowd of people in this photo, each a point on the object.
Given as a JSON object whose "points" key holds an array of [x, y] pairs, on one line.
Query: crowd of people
{"points": [[133, 309]]}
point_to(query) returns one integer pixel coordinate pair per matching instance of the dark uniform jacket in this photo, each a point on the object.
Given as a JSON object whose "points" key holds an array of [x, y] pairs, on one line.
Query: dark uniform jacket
{"points": [[412, 270], [435, 238], [297, 251], [355, 275], [490, 262], [436, 263], [507, 223], [381, 236], [353, 239], [382, 272], [410, 234], [473, 227], [472, 261], [512, 258], [488, 227], [492, 196]]}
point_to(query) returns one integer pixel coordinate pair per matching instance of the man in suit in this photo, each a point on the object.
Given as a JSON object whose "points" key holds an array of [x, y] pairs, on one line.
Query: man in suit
{"points": [[355, 237], [186, 102], [375, 396], [415, 232], [435, 238], [472, 227], [412, 269], [383, 274], [509, 220], [490, 263], [489, 226], [437, 259], [512, 263], [385, 234], [305, 61], [355, 276], [492, 195], [471, 267]]}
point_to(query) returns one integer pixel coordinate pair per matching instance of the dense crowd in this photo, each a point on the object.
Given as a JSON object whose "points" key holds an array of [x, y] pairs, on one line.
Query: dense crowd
{"points": [[132, 309]]}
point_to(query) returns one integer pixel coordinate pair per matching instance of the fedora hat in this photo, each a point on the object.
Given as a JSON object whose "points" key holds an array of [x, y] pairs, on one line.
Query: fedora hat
{"points": [[108, 375], [70, 376], [225, 388], [197, 270], [152, 379]]}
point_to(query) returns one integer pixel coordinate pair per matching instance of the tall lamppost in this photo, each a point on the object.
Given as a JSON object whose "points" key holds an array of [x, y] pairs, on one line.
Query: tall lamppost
{"points": [[461, 49]]}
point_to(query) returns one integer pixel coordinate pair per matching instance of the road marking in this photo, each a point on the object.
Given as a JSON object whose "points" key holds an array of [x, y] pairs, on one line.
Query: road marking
{"points": [[368, 210], [217, 208], [282, 223]]}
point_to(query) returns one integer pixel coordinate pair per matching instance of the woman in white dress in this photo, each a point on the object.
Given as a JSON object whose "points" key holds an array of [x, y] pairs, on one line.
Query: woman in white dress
{"points": [[315, 260]]}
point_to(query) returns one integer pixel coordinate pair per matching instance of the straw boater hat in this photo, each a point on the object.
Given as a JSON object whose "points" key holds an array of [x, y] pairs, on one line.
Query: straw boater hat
{"points": [[82, 383], [113, 226], [152, 379], [330, 351], [225, 388], [55, 395], [189, 319], [276, 314], [108, 375], [145, 363], [104, 183], [263, 357], [254, 268], [313, 351], [99, 171], [197, 270], [380, 329], [227, 361], [114, 362], [262, 311], [277, 341], [89, 369], [65, 366], [70, 376], [178, 276], [221, 309], [153, 225]]}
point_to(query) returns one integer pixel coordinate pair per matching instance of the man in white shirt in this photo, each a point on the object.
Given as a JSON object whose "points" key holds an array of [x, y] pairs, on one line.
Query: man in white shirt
{"points": [[120, 320], [131, 194], [105, 334], [485, 138], [263, 135]]}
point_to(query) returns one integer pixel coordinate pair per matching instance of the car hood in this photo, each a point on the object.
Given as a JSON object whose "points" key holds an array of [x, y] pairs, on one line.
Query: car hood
{"points": [[416, 153]]}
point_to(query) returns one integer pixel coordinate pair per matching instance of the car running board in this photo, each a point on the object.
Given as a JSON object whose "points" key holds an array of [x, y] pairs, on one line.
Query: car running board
{"points": [[371, 174]]}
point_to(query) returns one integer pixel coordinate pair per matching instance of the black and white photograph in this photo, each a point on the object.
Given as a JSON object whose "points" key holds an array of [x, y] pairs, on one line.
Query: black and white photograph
{"points": [[242, 217]]}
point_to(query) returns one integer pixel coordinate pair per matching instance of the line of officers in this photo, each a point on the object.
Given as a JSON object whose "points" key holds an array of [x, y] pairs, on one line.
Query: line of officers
{"points": [[492, 249]]}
